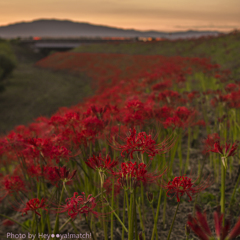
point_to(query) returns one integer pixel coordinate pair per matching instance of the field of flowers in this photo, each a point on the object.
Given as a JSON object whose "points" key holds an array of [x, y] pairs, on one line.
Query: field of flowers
{"points": [[155, 146]]}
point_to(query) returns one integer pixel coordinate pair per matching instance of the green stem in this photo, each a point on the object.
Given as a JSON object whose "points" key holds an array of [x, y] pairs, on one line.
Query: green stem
{"points": [[143, 206], [56, 227], [169, 234], [117, 217], [37, 225], [180, 151], [154, 229], [135, 213], [223, 177], [124, 207], [164, 210], [15, 222], [141, 221], [157, 212], [112, 202], [130, 222], [172, 156], [233, 194], [103, 222], [65, 224], [188, 150], [89, 226]]}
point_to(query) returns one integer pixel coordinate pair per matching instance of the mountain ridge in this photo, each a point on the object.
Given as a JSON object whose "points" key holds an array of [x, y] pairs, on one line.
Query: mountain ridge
{"points": [[68, 28]]}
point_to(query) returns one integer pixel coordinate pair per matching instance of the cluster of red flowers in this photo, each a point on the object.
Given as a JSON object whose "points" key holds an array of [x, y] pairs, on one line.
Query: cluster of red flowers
{"points": [[78, 205], [139, 97]]}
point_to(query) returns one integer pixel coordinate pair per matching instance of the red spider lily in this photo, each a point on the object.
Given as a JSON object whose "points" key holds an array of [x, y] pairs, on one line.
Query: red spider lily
{"points": [[192, 95], [13, 184], [92, 125], [200, 227], [33, 205], [163, 113], [162, 85], [51, 175], [131, 175], [200, 123], [181, 185], [99, 163], [36, 147], [77, 205], [231, 87], [182, 118], [142, 142], [7, 222], [212, 144], [134, 113], [169, 96], [64, 174]]}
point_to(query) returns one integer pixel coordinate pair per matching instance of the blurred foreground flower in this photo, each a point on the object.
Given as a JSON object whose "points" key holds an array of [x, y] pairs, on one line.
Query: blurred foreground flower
{"points": [[201, 228], [7, 222]]}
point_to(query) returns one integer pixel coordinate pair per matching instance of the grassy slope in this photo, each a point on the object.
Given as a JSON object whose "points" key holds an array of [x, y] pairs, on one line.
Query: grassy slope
{"points": [[31, 92], [223, 50]]}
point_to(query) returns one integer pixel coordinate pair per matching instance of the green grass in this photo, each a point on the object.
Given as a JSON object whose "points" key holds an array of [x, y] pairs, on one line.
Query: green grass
{"points": [[31, 92], [6, 49]]}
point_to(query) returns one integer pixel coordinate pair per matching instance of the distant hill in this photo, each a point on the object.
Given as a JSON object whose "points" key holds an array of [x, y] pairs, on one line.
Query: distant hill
{"points": [[64, 28]]}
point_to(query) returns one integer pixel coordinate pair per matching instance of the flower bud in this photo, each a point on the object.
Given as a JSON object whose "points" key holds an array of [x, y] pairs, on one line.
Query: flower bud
{"points": [[150, 197]]}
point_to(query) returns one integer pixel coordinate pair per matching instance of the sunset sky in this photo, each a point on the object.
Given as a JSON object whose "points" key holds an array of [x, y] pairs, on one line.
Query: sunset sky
{"points": [[162, 15]]}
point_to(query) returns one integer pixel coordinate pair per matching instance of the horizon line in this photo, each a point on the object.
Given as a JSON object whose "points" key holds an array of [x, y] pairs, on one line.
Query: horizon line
{"points": [[193, 28]]}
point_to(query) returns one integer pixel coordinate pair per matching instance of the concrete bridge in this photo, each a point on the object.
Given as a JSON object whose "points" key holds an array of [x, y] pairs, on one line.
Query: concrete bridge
{"points": [[46, 45]]}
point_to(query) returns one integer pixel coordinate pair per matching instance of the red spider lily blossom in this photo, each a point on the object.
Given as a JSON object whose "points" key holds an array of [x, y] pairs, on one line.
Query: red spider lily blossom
{"points": [[231, 87], [33, 205], [131, 175], [142, 142], [36, 147], [64, 174], [134, 112], [13, 184], [182, 118], [169, 96], [92, 125], [7, 222], [200, 123], [181, 185], [212, 144], [200, 227], [162, 85], [78, 205], [102, 164]]}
